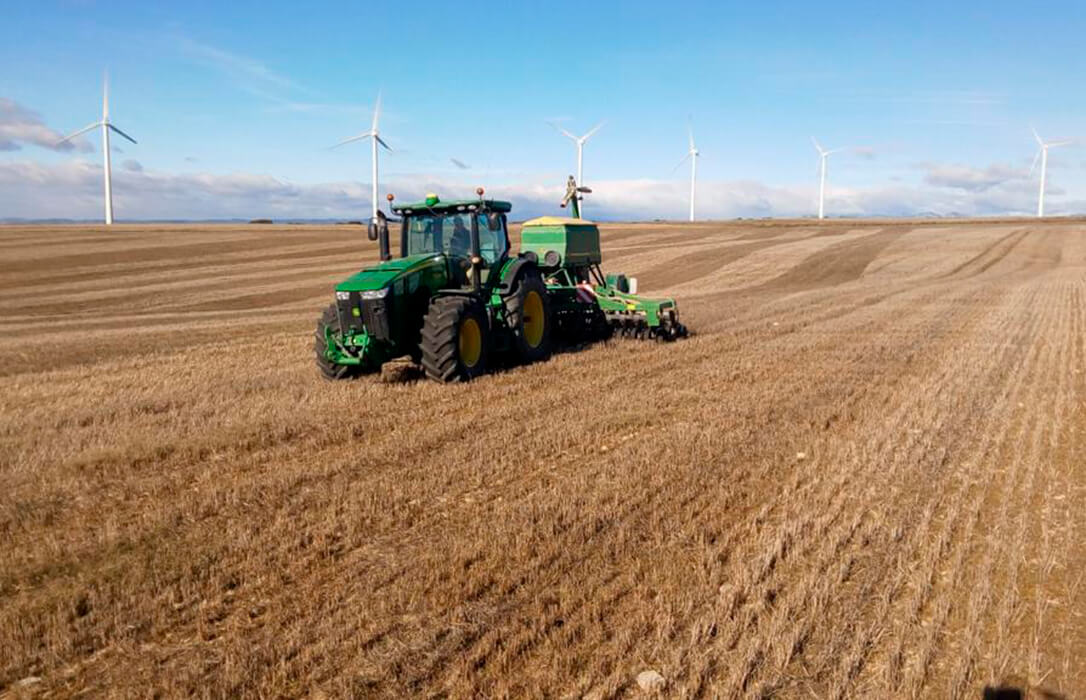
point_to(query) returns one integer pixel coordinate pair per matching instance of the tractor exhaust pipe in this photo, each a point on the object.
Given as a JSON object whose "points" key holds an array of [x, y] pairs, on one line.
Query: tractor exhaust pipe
{"points": [[378, 231], [382, 244]]}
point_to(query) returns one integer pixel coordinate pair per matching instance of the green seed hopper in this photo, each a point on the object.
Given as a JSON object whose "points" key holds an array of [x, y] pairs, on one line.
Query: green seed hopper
{"points": [[568, 253]]}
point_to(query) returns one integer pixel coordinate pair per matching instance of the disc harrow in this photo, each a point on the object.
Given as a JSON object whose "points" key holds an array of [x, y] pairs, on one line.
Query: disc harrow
{"points": [[635, 325]]}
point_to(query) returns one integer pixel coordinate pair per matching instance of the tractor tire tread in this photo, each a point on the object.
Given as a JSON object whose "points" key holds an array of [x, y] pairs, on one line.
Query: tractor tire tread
{"points": [[529, 280], [438, 344]]}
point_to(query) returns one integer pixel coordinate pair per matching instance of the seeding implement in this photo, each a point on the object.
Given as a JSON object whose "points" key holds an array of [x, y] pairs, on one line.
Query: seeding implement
{"points": [[457, 301]]}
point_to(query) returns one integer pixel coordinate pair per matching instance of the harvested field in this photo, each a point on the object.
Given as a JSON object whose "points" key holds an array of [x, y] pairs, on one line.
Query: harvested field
{"points": [[865, 476]]}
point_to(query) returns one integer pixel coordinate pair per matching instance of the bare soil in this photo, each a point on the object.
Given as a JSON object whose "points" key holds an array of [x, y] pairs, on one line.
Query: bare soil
{"points": [[865, 476]]}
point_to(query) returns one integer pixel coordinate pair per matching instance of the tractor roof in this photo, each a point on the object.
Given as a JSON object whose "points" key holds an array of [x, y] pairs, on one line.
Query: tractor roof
{"points": [[444, 206]]}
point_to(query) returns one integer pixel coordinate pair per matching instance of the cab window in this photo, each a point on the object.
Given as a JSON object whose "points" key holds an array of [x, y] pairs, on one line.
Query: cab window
{"points": [[493, 240]]}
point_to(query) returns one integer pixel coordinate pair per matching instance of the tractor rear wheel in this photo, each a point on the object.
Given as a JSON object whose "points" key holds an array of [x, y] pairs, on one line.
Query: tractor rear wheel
{"points": [[528, 313], [328, 324], [455, 340]]}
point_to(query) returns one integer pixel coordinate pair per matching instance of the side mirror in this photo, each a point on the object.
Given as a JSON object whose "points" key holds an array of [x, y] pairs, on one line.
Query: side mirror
{"points": [[494, 221], [378, 227], [378, 231]]}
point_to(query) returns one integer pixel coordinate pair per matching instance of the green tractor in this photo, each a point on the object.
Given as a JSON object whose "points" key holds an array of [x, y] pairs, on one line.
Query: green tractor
{"points": [[458, 301]]}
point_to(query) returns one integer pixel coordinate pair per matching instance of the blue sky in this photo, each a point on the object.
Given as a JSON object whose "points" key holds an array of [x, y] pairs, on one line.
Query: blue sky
{"points": [[234, 105]]}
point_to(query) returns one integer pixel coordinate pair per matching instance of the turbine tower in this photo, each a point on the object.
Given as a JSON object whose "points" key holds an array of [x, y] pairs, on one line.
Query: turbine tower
{"points": [[693, 155], [1042, 153], [375, 134], [580, 142], [823, 154], [106, 127]]}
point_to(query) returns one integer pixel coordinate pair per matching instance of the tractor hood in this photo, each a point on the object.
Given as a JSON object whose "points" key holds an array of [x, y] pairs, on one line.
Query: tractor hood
{"points": [[385, 273]]}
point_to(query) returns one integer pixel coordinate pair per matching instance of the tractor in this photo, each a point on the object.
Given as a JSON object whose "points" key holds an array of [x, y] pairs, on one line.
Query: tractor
{"points": [[458, 301]]}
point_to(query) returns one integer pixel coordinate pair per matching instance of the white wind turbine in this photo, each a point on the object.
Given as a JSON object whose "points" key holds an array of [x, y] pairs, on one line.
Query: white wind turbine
{"points": [[580, 141], [374, 134], [106, 126], [693, 154], [823, 154], [1042, 153]]}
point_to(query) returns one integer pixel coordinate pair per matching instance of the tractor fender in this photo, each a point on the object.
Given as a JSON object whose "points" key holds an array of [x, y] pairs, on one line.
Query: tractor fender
{"points": [[511, 271]]}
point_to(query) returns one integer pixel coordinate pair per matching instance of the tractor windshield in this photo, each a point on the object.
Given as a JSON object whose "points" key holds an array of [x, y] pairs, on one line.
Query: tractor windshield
{"points": [[439, 233], [450, 233]]}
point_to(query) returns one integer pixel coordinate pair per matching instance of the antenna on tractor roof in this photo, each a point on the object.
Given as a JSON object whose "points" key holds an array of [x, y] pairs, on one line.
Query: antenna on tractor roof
{"points": [[573, 197]]}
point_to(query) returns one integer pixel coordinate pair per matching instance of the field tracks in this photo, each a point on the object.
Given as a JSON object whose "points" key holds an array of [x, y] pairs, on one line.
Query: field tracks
{"points": [[864, 477]]}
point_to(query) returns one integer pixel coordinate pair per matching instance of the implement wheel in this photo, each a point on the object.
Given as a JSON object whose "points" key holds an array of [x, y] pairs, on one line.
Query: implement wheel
{"points": [[455, 340], [528, 313], [328, 324]]}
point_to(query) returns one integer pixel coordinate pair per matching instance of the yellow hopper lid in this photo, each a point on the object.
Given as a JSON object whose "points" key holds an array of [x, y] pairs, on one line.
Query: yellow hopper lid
{"points": [[558, 221]]}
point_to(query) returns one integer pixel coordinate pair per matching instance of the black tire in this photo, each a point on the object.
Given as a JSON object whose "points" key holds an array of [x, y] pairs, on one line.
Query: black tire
{"points": [[600, 327], [448, 343], [330, 320], [529, 299]]}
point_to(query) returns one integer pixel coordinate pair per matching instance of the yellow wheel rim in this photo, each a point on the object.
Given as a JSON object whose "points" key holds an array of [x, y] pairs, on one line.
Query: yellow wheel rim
{"points": [[470, 342], [534, 321]]}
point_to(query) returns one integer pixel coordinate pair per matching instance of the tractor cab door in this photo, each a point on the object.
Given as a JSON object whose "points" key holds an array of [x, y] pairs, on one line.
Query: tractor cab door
{"points": [[456, 244], [493, 241]]}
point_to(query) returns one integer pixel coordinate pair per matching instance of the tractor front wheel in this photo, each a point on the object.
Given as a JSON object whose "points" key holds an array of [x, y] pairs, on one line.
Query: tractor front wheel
{"points": [[528, 312], [327, 325], [455, 340]]}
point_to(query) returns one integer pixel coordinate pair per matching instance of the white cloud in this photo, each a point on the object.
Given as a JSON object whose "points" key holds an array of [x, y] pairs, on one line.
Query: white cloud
{"points": [[261, 80], [19, 126], [284, 105], [73, 190], [248, 72], [965, 177], [132, 165], [967, 98]]}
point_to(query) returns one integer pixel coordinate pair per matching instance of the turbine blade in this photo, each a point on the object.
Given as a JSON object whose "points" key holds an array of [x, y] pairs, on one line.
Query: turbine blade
{"points": [[818, 147], [1060, 143], [122, 133], [105, 96], [1036, 157], [690, 135], [460, 164], [376, 112], [592, 131], [359, 137], [382, 142], [685, 158], [1040, 141], [84, 130], [563, 131]]}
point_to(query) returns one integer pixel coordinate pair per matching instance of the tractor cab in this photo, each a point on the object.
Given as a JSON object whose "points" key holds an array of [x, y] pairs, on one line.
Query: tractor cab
{"points": [[471, 234]]}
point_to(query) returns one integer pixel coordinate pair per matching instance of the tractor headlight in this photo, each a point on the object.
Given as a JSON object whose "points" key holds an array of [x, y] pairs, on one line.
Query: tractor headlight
{"points": [[371, 294], [343, 296]]}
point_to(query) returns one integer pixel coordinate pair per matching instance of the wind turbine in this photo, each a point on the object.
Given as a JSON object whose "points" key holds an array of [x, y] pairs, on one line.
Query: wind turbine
{"points": [[1042, 153], [693, 155], [374, 134], [106, 126], [823, 154], [580, 141]]}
